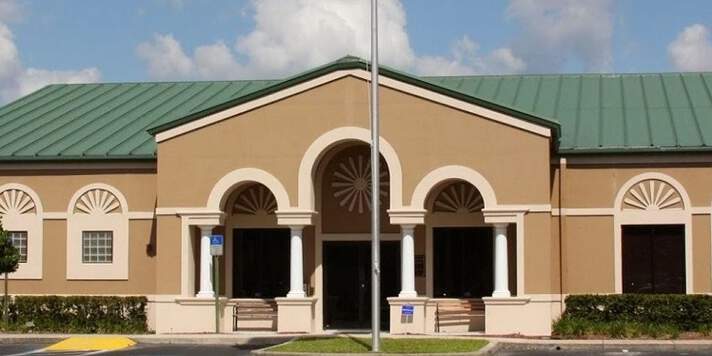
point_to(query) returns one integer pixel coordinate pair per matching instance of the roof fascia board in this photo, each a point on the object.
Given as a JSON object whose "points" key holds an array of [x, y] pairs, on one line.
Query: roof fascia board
{"points": [[362, 74], [636, 159], [147, 165]]}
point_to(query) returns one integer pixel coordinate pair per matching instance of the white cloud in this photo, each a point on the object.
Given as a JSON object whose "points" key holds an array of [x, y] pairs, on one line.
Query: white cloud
{"points": [[10, 11], [465, 59], [557, 33], [15, 79], [165, 58], [692, 49], [294, 35]]}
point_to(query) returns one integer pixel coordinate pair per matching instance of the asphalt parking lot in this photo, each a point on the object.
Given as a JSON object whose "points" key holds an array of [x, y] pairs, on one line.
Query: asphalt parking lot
{"points": [[501, 349], [138, 350]]}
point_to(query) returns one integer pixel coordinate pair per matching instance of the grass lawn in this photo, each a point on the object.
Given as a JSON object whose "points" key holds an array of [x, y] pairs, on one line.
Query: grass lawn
{"points": [[388, 345]]}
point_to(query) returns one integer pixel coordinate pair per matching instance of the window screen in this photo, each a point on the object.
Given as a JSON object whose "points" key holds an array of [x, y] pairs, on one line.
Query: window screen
{"points": [[19, 240], [97, 246]]}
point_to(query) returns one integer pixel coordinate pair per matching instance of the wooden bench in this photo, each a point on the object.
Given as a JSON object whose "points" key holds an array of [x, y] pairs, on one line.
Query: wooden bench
{"points": [[255, 315], [454, 312]]}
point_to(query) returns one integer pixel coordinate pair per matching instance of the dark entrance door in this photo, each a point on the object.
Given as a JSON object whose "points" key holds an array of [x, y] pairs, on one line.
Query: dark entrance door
{"points": [[654, 259], [347, 283], [261, 267]]}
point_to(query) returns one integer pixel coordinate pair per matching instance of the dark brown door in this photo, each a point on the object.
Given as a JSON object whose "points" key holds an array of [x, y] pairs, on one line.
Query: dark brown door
{"points": [[653, 259], [347, 283]]}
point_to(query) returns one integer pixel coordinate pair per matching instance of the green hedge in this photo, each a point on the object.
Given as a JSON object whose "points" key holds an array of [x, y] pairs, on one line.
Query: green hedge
{"points": [[632, 315], [78, 314]]}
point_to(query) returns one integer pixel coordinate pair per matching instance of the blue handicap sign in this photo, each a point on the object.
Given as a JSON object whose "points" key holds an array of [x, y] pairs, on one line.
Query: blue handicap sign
{"points": [[216, 239], [407, 309]]}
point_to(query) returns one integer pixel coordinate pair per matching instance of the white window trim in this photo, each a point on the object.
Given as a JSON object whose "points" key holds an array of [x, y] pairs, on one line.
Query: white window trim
{"points": [[116, 222], [32, 224], [681, 216]]}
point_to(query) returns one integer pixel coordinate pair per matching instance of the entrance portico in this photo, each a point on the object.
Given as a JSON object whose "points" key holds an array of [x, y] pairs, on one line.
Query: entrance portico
{"points": [[315, 172]]}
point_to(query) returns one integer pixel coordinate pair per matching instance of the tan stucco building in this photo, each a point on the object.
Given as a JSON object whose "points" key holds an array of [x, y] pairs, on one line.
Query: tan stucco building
{"points": [[500, 196]]}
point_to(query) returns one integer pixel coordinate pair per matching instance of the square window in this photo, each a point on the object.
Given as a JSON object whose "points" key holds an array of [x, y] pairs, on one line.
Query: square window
{"points": [[19, 240], [97, 246]]}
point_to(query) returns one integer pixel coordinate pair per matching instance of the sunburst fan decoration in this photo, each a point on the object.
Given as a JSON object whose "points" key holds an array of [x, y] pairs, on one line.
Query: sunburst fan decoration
{"points": [[352, 183], [97, 201], [16, 201], [652, 194], [459, 197], [255, 200]]}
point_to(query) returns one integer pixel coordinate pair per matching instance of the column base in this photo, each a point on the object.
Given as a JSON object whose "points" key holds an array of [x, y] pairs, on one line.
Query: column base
{"points": [[205, 294], [295, 315], [533, 318], [501, 294], [296, 295], [408, 294], [401, 324]]}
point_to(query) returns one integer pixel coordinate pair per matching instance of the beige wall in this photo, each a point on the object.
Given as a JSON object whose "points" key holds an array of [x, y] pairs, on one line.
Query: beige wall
{"points": [[142, 276], [589, 240], [55, 188], [588, 257], [597, 186], [540, 255], [424, 134]]}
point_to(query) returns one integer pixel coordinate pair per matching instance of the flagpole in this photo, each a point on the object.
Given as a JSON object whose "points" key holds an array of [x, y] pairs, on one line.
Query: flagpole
{"points": [[375, 188]]}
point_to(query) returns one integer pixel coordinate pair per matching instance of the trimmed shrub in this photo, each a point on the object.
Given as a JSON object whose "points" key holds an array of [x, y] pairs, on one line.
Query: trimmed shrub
{"points": [[78, 314], [635, 315]]}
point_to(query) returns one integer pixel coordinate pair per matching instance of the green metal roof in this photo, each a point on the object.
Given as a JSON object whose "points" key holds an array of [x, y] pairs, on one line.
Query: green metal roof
{"points": [[104, 121], [590, 113], [607, 112]]}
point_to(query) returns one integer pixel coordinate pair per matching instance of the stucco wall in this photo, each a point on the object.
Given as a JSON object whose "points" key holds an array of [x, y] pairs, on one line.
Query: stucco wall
{"points": [[425, 135], [55, 189]]}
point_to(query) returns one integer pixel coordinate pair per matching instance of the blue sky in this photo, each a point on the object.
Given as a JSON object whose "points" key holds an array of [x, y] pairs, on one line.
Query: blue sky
{"points": [[137, 40]]}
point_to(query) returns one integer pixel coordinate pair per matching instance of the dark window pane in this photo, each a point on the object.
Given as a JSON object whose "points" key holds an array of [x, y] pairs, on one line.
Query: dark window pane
{"points": [[261, 263], [462, 262], [653, 259]]}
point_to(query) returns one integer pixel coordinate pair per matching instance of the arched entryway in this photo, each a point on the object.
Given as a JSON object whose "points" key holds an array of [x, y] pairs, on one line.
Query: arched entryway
{"points": [[343, 223]]}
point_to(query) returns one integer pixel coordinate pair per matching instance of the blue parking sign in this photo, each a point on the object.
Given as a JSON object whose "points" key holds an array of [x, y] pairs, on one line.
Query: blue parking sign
{"points": [[216, 245], [407, 309], [217, 239]]}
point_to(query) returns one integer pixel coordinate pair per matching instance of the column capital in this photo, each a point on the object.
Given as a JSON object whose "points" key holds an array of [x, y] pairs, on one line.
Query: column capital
{"points": [[501, 227], [407, 227], [407, 216], [204, 228], [295, 228], [294, 217]]}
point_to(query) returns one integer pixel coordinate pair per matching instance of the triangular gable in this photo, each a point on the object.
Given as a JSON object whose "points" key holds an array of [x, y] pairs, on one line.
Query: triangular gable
{"points": [[355, 67]]}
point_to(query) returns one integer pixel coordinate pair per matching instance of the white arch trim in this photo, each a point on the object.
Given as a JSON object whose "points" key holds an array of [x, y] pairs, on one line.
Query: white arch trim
{"points": [[669, 216], [222, 189], [618, 202], [442, 174], [117, 193], [29, 191], [32, 225], [328, 140]]}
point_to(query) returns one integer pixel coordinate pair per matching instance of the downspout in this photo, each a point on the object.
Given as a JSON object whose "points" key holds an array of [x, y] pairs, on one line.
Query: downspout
{"points": [[562, 214]]}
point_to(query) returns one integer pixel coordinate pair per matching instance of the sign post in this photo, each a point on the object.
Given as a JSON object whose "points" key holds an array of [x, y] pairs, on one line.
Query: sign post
{"points": [[216, 250]]}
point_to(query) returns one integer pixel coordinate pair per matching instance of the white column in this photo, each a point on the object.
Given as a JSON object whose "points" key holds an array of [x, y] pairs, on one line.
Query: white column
{"points": [[501, 271], [296, 265], [407, 262], [206, 263]]}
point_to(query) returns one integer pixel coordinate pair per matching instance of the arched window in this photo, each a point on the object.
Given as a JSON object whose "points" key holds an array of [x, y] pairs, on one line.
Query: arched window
{"points": [[21, 214], [653, 239], [97, 234]]}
